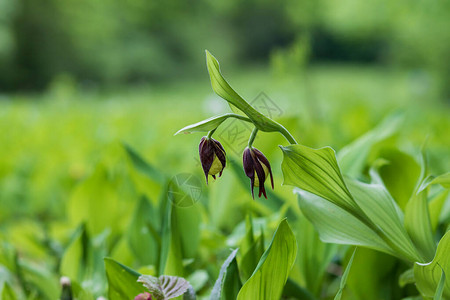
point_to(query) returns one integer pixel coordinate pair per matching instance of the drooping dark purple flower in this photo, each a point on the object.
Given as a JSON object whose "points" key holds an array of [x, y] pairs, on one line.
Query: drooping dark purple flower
{"points": [[257, 168], [143, 296], [212, 157]]}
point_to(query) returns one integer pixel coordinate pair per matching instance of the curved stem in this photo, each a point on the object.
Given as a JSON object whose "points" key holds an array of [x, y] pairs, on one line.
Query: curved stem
{"points": [[239, 117], [287, 134], [252, 137], [210, 133]]}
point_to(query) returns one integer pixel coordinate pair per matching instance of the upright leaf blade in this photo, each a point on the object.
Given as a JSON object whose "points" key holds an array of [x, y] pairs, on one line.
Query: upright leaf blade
{"points": [[224, 90], [228, 283], [344, 277], [270, 275]]}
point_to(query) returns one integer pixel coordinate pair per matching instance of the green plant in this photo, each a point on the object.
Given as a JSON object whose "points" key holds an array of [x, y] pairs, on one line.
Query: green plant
{"points": [[343, 209]]}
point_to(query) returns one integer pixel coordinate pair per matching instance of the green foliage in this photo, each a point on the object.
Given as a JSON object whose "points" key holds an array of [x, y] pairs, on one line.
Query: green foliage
{"points": [[122, 281], [273, 269], [72, 194]]}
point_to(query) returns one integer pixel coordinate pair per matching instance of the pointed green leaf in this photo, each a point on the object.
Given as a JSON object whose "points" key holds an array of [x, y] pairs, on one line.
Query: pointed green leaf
{"points": [[440, 288], [270, 275], [210, 124], [335, 225], [344, 277], [224, 90], [228, 284], [428, 275], [382, 210], [317, 171], [122, 281]]}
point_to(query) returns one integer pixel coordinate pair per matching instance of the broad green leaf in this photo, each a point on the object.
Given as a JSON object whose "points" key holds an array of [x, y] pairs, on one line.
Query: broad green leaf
{"points": [[164, 287], [418, 225], [352, 158], [429, 274], [224, 90], [440, 288], [270, 275], [122, 281], [210, 124], [399, 174], [317, 171], [336, 225], [385, 215], [344, 277], [228, 284]]}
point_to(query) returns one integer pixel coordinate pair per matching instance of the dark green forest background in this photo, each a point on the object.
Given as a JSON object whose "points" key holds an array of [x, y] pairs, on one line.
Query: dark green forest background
{"points": [[107, 43]]}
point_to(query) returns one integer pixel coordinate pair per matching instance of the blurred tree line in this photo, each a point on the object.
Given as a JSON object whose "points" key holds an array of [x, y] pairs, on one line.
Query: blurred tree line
{"points": [[111, 42]]}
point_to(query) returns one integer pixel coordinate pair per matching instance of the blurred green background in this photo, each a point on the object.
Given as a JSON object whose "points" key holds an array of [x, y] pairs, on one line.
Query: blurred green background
{"points": [[79, 78]]}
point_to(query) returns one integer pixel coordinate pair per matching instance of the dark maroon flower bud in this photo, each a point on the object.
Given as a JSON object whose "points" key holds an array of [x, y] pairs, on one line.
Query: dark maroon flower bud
{"points": [[143, 296], [257, 168], [212, 157]]}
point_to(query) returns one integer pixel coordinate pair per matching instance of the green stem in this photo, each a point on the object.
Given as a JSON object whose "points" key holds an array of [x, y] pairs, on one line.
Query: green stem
{"points": [[252, 137], [240, 117], [210, 133], [286, 134]]}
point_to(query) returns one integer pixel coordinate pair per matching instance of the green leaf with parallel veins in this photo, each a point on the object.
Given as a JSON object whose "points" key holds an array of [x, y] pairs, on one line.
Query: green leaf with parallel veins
{"points": [[270, 275], [317, 171], [224, 90], [210, 124], [382, 210], [336, 225], [418, 225], [428, 275]]}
